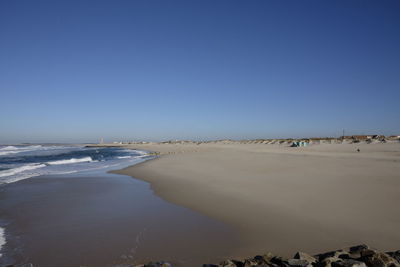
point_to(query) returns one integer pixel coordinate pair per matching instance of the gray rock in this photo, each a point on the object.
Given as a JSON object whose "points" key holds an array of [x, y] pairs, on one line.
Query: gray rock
{"points": [[250, 263], [210, 265], [260, 259], [267, 257], [327, 262], [158, 264], [299, 263], [380, 259], [304, 256], [367, 253], [232, 263], [330, 254], [348, 263], [395, 255], [358, 248], [278, 261]]}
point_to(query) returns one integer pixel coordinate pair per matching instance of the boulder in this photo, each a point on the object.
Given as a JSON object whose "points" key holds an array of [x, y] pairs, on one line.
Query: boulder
{"points": [[259, 259], [304, 256], [331, 254], [158, 264], [327, 262], [232, 263], [358, 248], [380, 259], [395, 255], [278, 261], [267, 257], [299, 263], [348, 263], [250, 263]]}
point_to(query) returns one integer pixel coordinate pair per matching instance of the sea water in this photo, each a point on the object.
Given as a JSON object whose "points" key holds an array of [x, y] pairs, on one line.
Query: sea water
{"points": [[26, 161]]}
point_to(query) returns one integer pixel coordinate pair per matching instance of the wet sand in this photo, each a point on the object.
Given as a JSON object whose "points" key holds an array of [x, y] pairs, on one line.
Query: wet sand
{"points": [[284, 199], [104, 221]]}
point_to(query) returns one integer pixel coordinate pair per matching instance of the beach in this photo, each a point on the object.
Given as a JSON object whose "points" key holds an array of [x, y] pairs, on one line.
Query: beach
{"points": [[51, 216], [284, 199]]}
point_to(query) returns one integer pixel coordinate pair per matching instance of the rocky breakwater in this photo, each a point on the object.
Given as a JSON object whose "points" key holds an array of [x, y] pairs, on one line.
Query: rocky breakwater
{"points": [[356, 256]]}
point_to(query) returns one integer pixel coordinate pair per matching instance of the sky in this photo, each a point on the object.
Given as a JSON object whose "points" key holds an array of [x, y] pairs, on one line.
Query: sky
{"points": [[76, 71]]}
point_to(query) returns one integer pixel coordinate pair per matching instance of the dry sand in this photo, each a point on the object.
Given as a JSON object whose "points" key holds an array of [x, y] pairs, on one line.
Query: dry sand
{"points": [[283, 199]]}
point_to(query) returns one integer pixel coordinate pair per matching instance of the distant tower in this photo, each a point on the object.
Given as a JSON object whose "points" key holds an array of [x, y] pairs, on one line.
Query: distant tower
{"points": [[101, 140]]}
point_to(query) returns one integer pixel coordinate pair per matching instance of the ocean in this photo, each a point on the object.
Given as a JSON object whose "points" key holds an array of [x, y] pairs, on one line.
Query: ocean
{"points": [[26, 161]]}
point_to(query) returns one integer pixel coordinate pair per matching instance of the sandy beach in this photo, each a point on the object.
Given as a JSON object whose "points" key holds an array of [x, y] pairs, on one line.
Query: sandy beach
{"points": [[283, 199]]}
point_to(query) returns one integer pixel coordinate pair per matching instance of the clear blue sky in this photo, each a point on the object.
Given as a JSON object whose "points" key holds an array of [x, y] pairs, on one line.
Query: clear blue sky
{"points": [[75, 71]]}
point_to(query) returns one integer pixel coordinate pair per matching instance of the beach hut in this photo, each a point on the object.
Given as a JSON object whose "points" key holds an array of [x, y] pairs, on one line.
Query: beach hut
{"points": [[299, 143]]}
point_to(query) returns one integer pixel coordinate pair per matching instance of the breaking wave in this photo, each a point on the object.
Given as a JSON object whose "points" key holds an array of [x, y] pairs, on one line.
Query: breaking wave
{"points": [[26, 161], [17, 170], [70, 161]]}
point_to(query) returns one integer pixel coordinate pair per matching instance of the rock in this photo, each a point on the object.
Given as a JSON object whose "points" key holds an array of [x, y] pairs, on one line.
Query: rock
{"points": [[299, 263], [356, 256], [380, 259], [346, 256], [250, 263], [278, 261], [260, 259], [330, 254], [348, 263], [358, 248], [158, 264], [367, 253], [232, 263], [304, 256], [327, 262], [395, 255], [267, 257]]}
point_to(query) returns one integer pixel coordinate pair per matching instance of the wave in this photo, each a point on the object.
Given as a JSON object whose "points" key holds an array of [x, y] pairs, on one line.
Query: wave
{"points": [[21, 169], [2, 239], [2, 153], [20, 147], [54, 160], [9, 148], [70, 161], [14, 149]]}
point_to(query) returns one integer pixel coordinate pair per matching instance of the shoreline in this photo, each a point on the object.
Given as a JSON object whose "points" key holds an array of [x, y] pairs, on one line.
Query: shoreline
{"points": [[205, 178], [107, 219]]}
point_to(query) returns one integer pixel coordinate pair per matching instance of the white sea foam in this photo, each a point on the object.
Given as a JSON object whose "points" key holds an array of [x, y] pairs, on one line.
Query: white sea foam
{"points": [[2, 153], [141, 152], [69, 161], [9, 148], [2, 240], [14, 171], [14, 149]]}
